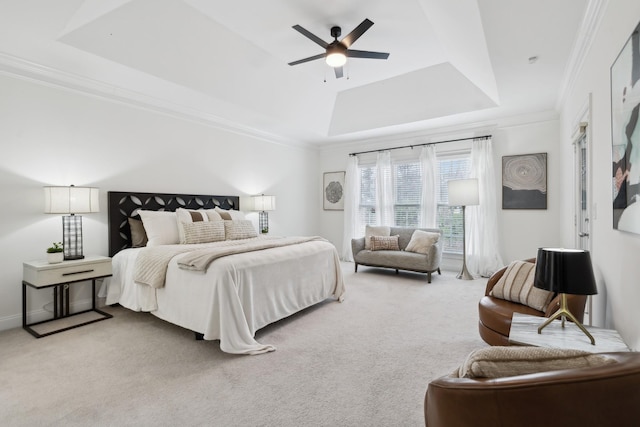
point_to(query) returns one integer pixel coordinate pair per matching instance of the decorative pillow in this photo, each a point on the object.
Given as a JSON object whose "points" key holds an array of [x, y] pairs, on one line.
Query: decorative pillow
{"points": [[230, 215], [213, 215], [421, 241], [516, 285], [371, 230], [138, 235], [243, 229], [161, 227], [185, 216], [203, 232], [384, 243], [507, 361]]}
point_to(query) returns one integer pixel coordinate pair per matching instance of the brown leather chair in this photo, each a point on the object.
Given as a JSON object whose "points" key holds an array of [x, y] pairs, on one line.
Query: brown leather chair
{"points": [[607, 395], [495, 314]]}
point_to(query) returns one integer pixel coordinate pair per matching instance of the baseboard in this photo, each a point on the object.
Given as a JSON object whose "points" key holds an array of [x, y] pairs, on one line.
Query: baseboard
{"points": [[15, 321]]}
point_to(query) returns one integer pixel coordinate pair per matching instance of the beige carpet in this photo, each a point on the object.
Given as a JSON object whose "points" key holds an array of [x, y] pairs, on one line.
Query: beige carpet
{"points": [[364, 362]]}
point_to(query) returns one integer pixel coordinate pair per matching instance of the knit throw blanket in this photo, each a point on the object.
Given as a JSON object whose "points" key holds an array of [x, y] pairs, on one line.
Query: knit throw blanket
{"points": [[151, 264]]}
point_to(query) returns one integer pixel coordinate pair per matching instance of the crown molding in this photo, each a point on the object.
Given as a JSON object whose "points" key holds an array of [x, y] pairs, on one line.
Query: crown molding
{"points": [[15, 67], [590, 23]]}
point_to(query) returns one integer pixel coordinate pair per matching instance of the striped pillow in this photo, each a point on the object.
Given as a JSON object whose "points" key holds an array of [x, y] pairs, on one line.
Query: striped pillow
{"points": [[203, 232], [516, 285], [186, 216], [384, 243], [243, 229]]}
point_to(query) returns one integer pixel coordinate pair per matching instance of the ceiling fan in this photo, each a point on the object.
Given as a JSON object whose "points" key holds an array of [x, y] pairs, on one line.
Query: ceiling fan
{"points": [[336, 52]]}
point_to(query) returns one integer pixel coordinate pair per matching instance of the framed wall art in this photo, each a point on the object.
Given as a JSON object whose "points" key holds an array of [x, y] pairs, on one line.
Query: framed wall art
{"points": [[524, 181], [625, 136], [333, 191]]}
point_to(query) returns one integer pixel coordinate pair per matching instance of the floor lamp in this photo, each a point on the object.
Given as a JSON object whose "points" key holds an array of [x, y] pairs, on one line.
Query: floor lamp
{"points": [[464, 192]]}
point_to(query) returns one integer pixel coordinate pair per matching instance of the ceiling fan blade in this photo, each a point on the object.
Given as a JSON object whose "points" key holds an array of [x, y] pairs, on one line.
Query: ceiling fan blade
{"points": [[356, 33], [338, 71], [311, 58], [311, 36], [366, 54]]}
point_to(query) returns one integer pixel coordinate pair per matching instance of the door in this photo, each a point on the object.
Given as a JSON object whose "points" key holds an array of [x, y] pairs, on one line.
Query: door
{"points": [[582, 209]]}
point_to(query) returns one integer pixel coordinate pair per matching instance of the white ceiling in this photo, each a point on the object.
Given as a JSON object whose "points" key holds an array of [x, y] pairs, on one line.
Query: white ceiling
{"points": [[450, 62]]}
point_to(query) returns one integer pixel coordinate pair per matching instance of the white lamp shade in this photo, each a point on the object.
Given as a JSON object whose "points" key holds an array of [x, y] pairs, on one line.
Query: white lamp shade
{"points": [[264, 203], [67, 200], [463, 192]]}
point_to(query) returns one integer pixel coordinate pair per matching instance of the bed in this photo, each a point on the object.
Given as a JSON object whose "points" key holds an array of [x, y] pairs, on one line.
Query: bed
{"points": [[222, 289]]}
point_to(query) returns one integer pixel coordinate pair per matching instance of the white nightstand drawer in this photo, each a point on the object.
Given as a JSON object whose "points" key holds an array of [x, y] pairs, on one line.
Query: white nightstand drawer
{"points": [[41, 273]]}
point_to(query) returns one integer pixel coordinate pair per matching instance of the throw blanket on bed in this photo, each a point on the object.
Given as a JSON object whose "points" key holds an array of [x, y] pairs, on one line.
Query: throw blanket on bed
{"points": [[151, 264]]}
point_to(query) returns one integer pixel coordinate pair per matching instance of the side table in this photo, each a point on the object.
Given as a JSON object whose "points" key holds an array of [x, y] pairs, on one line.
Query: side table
{"points": [[40, 275], [524, 331]]}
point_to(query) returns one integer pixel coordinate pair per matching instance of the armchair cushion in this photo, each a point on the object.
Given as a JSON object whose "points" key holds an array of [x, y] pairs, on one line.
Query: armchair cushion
{"points": [[516, 285], [500, 362]]}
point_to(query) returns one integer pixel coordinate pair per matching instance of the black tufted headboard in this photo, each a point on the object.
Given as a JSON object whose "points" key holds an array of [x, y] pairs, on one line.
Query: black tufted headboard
{"points": [[124, 204]]}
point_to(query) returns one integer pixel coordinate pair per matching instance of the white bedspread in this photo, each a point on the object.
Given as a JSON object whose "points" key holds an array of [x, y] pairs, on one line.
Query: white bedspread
{"points": [[237, 295]]}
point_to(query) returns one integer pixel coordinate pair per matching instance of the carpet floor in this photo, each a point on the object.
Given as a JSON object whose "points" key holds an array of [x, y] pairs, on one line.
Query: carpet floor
{"points": [[364, 362]]}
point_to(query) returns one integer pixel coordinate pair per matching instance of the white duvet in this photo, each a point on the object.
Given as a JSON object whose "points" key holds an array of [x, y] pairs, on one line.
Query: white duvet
{"points": [[237, 295]]}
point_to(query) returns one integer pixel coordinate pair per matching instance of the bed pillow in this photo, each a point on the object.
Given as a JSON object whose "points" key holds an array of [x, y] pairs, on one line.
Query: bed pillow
{"points": [[508, 361], [213, 215], [203, 232], [186, 216], [385, 243], [138, 235], [370, 230], [421, 241], [243, 229], [161, 227], [230, 214], [516, 285]]}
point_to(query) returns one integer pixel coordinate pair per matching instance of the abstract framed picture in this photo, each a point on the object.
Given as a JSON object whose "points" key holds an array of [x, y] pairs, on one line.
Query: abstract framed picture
{"points": [[524, 181], [333, 191], [625, 136]]}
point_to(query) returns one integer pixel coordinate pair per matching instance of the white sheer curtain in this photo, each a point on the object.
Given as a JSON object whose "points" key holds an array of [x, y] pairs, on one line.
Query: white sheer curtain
{"points": [[384, 190], [351, 201], [483, 257], [429, 166]]}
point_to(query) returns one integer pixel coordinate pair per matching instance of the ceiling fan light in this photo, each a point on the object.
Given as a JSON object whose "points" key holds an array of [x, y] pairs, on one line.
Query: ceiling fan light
{"points": [[336, 59]]}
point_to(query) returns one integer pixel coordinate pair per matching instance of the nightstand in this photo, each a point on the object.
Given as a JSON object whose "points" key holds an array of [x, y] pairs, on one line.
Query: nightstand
{"points": [[40, 274]]}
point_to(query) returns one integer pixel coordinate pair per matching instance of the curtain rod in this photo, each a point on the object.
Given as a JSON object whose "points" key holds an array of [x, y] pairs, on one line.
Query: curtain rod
{"points": [[420, 145]]}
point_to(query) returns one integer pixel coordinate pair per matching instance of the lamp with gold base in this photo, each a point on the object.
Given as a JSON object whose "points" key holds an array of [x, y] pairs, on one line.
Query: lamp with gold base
{"points": [[565, 271]]}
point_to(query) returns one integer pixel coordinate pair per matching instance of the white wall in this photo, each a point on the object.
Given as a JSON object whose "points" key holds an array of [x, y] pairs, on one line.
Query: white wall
{"points": [[522, 232], [54, 137], [615, 254]]}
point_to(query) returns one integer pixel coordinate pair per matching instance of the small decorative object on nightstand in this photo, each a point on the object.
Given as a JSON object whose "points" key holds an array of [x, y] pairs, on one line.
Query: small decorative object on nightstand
{"points": [[55, 254], [60, 276]]}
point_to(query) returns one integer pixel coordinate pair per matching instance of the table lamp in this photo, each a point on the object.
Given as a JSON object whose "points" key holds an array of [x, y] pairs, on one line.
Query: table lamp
{"points": [[463, 192], [71, 200], [565, 271], [264, 204]]}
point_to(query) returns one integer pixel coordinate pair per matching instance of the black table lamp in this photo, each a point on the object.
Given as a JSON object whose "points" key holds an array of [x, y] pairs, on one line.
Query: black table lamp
{"points": [[565, 271]]}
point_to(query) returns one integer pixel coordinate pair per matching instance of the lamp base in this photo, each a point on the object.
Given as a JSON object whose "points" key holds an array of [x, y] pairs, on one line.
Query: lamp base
{"points": [[565, 313], [464, 274], [72, 237], [263, 222]]}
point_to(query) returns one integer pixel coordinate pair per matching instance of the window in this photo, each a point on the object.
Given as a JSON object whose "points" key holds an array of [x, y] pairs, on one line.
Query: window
{"points": [[407, 189], [367, 206], [450, 217]]}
